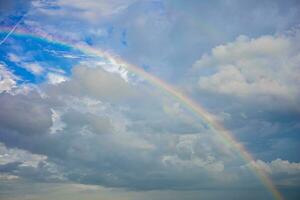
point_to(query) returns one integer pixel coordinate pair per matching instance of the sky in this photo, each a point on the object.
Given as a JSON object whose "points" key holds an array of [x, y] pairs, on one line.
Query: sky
{"points": [[149, 99]]}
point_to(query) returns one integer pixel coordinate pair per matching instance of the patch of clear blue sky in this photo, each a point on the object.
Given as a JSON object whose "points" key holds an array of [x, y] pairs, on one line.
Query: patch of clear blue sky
{"points": [[48, 55]]}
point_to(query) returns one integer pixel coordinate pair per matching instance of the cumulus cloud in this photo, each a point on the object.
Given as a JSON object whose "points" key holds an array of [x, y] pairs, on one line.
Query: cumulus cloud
{"points": [[24, 114], [90, 122], [7, 79], [99, 127], [97, 83], [16, 155], [263, 68], [86, 121], [187, 155], [284, 172], [258, 82], [17, 163]]}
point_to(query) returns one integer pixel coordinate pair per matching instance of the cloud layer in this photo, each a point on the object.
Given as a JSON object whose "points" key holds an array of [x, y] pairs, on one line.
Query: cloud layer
{"points": [[72, 121]]}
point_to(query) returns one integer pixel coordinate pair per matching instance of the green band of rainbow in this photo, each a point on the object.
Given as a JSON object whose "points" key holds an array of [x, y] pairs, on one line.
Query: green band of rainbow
{"points": [[188, 102]]}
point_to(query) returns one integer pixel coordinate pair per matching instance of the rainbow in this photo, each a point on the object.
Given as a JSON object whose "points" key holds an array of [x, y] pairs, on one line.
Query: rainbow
{"points": [[188, 102]]}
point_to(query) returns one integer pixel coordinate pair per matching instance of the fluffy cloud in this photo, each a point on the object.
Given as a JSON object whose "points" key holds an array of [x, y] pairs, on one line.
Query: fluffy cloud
{"points": [[54, 78], [17, 163], [88, 121], [263, 69], [285, 173], [17, 155], [98, 127], [96, 83], [258, 82], [7, 79], [15, 112]]}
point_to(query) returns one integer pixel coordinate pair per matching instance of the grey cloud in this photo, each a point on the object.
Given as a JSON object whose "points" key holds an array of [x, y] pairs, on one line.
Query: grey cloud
{"points": [[25, 114], [98, 125], [95, 83], [16, 163], [101, 144], [97, 140], [257, 80], [118, 134]]}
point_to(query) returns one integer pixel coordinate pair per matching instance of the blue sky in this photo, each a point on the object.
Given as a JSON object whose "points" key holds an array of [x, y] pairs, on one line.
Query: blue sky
{"points": [[78, 126]]}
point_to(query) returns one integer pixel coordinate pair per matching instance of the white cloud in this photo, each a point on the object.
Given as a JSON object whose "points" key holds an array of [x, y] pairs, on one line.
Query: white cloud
{"points": [[102, 136], [103, 143], [14, 58], [114, 68], [57, 123], [263, 68], [8, 177], [188, 156], [7, 79], [278, 166], [34, 68], [18, 163], [283, 172], [195, 162], [27, 159], [109, 66], [96, 83], [54, 78]]}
